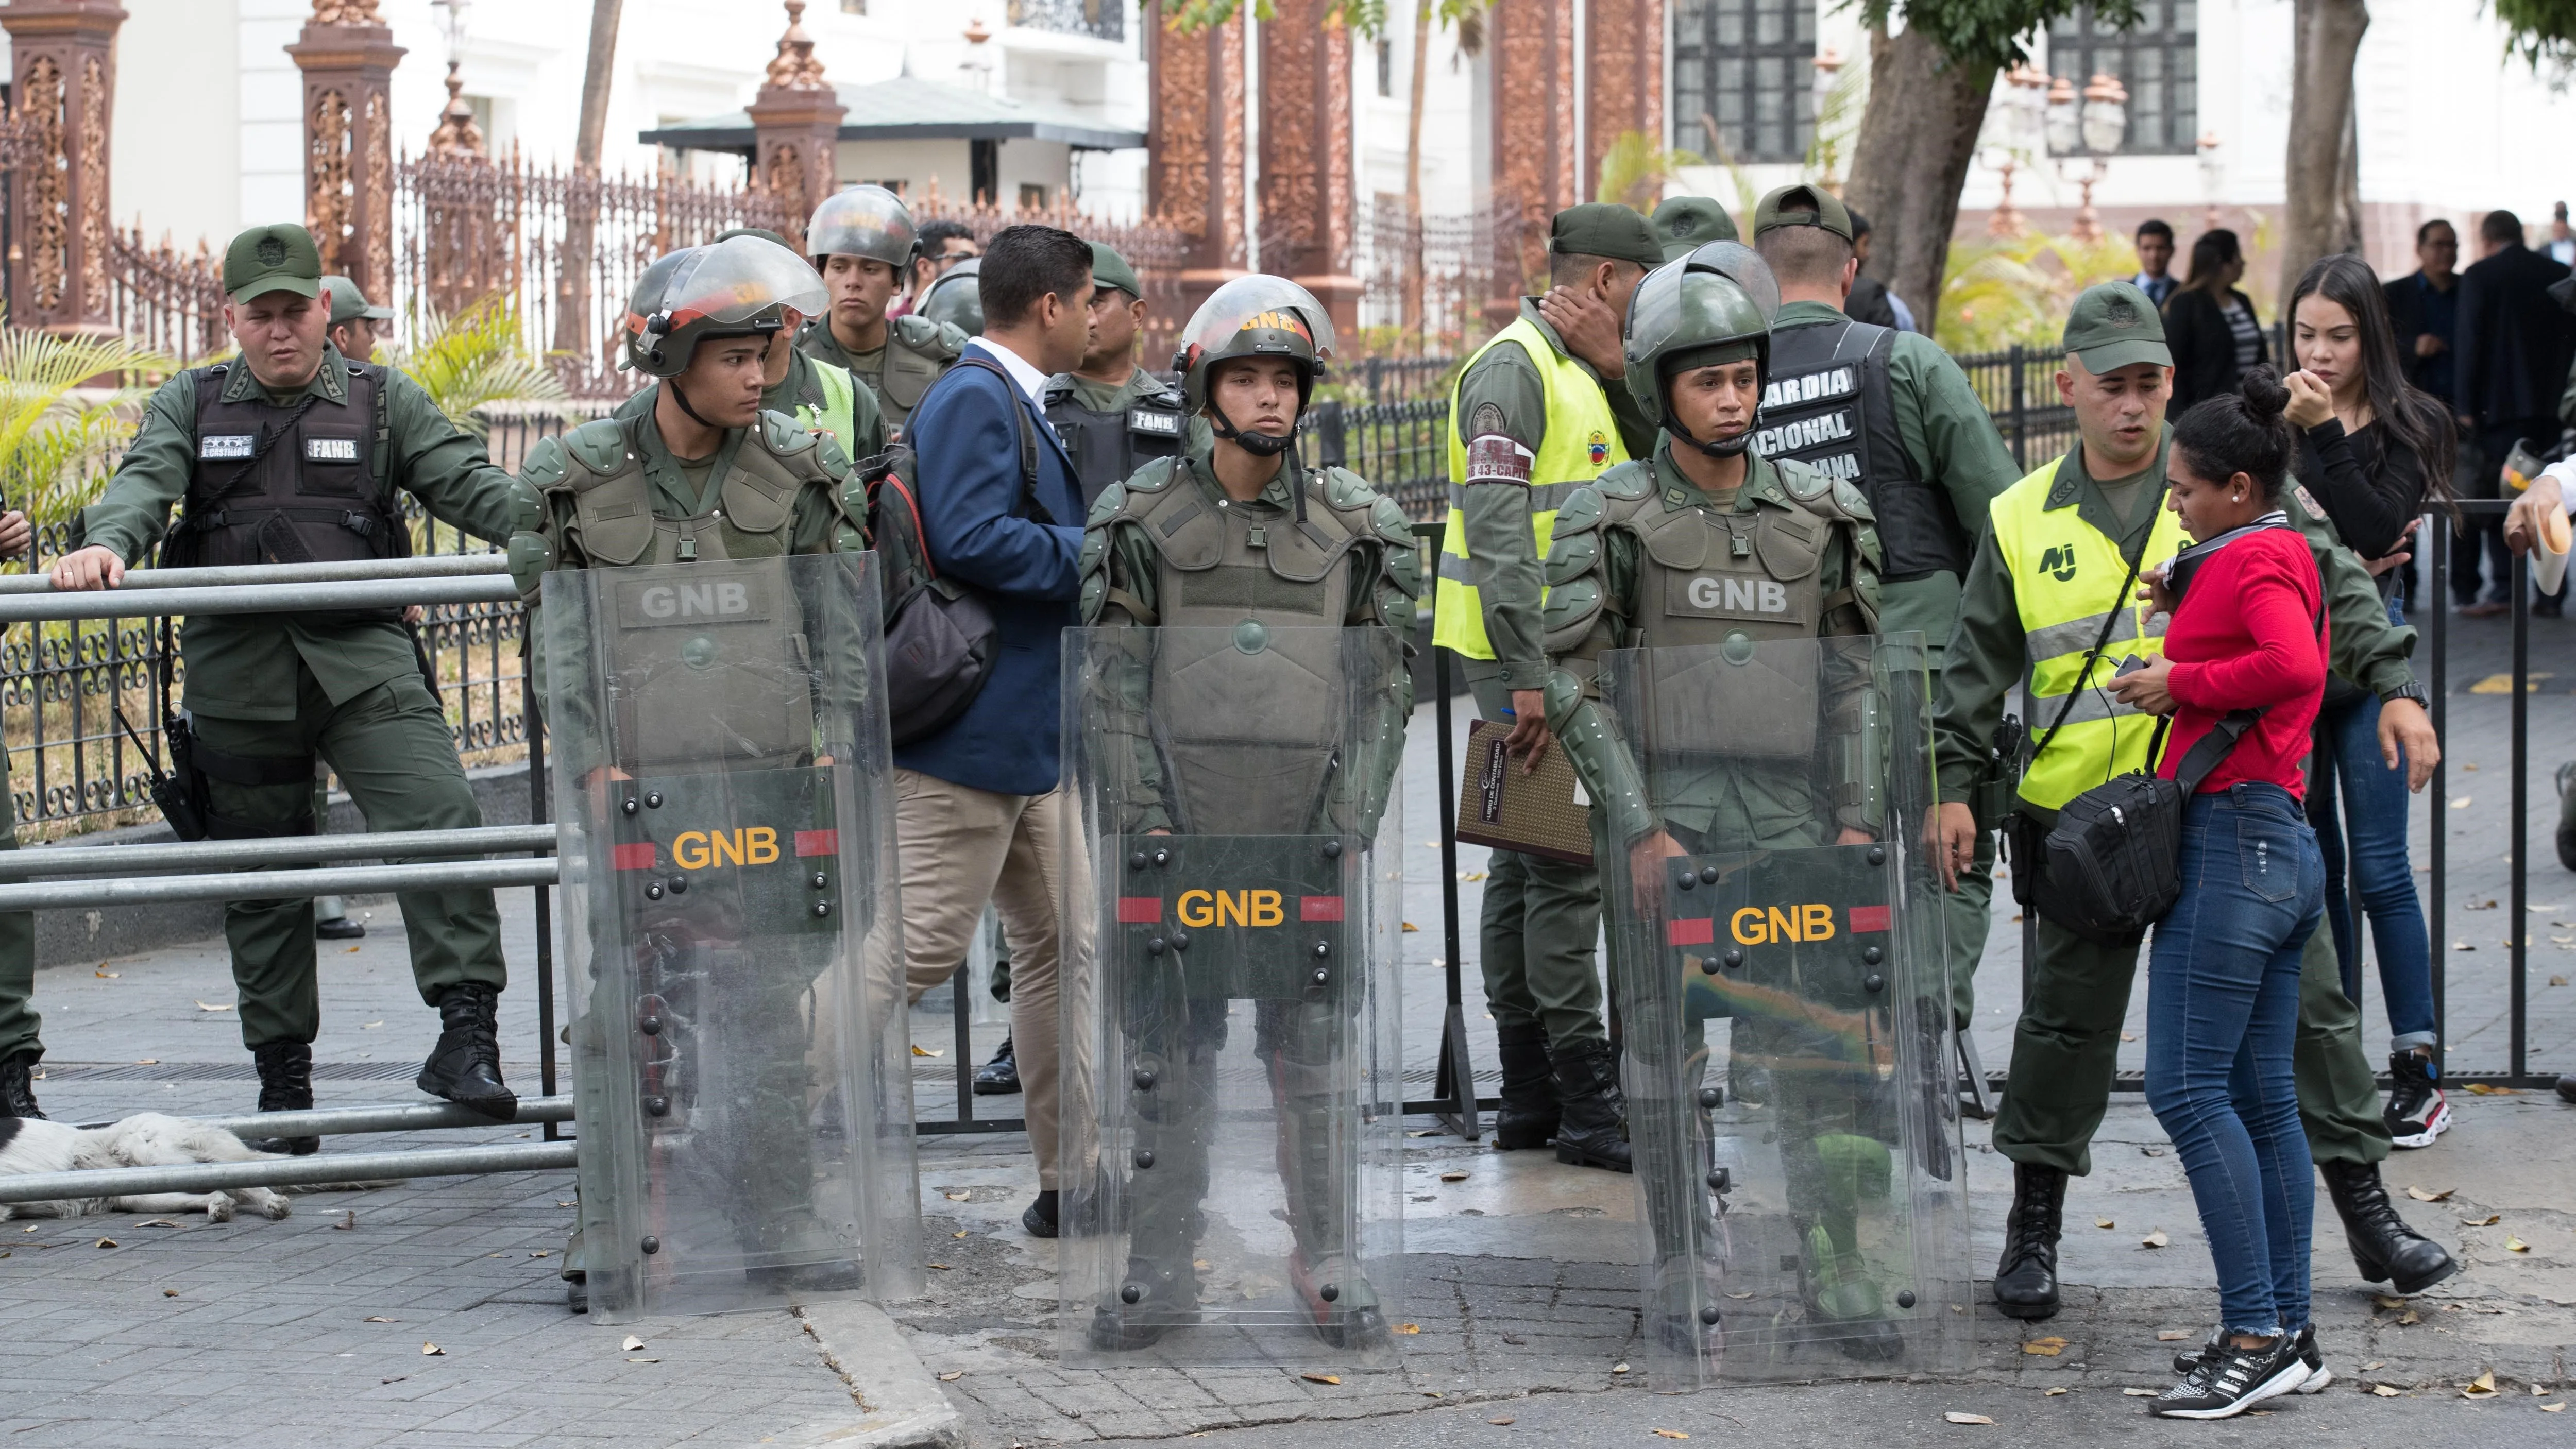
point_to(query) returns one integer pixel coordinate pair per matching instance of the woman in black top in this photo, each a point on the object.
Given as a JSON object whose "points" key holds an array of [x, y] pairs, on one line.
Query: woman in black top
{"points": [[2210, 325], [2373, 453]]}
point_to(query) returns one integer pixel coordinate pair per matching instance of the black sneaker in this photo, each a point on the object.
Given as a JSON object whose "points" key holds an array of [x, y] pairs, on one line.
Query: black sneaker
{"points": [[2318, 1374], [2416, 1112], [2234, 1381]]}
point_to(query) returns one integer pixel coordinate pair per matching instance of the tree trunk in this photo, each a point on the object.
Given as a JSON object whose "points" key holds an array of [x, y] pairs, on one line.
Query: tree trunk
{"points": [[1918, 135], [581, 208], [2322, 174], [1413, 177]]}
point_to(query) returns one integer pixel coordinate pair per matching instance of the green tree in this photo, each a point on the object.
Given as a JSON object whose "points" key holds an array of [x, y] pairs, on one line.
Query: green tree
{"points": [[476, 357], [2540, 31], [67, 404]]}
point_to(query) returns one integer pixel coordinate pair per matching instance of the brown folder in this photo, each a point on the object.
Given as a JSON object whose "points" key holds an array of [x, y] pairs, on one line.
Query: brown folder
{"points": [[1501, 806]]}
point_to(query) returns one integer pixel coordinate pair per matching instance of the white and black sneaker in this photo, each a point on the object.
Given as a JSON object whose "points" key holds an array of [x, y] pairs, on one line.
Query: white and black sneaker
{"points": [[2318, 1374], [2235, 1380], [2416, 1111]]}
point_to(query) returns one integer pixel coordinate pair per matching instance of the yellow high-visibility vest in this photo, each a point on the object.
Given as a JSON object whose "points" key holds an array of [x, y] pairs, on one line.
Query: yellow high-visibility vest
{"points": [[840, 407], [2063, 571], [1582, 441]]}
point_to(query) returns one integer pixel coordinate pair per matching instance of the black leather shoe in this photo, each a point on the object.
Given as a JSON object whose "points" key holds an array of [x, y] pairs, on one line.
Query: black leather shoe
{"points": [[285, 1085], [2026, 1277], [2383, 1247], [465, 1066], [1529, 1114], [18, 1085], [339, 928], [2566, 838], [1039, 1217], [999, 1077], [1592, 1127]]}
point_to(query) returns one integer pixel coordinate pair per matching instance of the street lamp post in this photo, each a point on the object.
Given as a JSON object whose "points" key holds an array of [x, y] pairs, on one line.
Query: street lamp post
{"points": [[2213, 178], [2092, 130], [2012, 130]]}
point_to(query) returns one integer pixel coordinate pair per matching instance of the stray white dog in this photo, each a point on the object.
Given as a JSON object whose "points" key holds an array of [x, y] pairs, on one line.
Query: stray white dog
{"points": [[146, 1139]]}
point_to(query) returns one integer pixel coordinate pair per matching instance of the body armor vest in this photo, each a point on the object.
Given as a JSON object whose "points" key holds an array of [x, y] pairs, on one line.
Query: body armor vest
{"points": [[288, 485], [1109, 447], [1724, 582], [753, 515], [914, 359], [1828, 403], [1252, 719]]}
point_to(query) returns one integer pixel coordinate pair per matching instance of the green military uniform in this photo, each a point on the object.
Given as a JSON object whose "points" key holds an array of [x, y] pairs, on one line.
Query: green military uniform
{"points": [[1251, 599], [279, 688], [1528, 432], [1114, 429], [916, 351]]}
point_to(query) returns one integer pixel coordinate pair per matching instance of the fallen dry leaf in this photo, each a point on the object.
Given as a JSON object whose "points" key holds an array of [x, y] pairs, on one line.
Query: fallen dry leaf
{"points": [[2551, 1408], [541, 1252], [2050, 1393], [2385, 1391], [431, 1350], [1747, 1293], [2540, 1391], [2481, 1387], [348, 1220], [166, 1292], [2172, 1335], [2049, 1347], [2410, 1316], [1408, 1328], [2490, 1220], [147, 1061], [1955, 1417], [922, 1051], [384, 1320], [2155, 1238], [2557, 980], [631, 1345], [956, 1196], [2374, 1364], [2104, 1223], [1453, 1177], [1618, 1368], [1471, 875], [2124, 1036], [2513, 1244], [952, 1376], [1321, 1378], [1505, 1419], [205, 1006], [2420, 1195], [2482, 1089], [2382, 1300], [369, 1025], [156, 1223], [107, 1242], [2139, 1393], [1670, 1434], [941, 1267], [108, 975], [1410, 928], [961, 1232], [643, 1360]]}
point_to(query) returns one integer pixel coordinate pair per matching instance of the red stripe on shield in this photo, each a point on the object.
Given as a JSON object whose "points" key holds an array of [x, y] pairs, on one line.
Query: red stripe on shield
{"points": [[1139, 910], [632, 857], [1701, 932], [817, 842], [1319, 908], [1865, 919]]}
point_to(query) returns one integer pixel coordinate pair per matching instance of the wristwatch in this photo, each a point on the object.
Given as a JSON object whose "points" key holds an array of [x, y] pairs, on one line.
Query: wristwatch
{"points": [[2412, 689]]}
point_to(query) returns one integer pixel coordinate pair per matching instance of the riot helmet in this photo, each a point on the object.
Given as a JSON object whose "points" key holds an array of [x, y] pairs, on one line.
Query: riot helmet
{"points": [[1714, 305], [957, 298], [863, 221], [739, 287], [1255, 316]]}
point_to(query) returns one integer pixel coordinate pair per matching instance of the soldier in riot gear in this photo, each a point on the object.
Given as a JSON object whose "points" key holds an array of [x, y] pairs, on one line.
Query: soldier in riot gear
{"points": [[1259, 572], [293, 453], [862, 238], [1708, 545], [704, 478], [1113, 415], [956, 300]]}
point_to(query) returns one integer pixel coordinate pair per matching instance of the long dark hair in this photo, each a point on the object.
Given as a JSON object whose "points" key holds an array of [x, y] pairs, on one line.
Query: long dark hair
{"points": [[2211, 253], [2414, 420], [2241, 432]]}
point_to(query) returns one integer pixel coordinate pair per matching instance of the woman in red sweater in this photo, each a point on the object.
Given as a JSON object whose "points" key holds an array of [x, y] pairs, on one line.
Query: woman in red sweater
{"points": [[2245, 652]]}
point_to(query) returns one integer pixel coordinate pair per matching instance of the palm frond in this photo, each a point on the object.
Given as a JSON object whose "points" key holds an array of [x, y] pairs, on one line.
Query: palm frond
{"points": [[475, 357], [59, 420]]}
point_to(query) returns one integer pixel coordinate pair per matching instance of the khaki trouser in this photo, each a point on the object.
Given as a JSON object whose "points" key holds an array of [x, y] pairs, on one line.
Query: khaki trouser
{"points": [[962, 847]]}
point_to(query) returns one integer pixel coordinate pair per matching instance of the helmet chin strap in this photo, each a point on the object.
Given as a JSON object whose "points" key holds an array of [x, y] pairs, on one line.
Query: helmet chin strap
{"points": [[682, 398], [1723, 448], [1259, 445]]}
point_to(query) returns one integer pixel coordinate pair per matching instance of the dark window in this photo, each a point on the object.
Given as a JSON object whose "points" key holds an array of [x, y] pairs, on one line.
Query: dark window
{"points": [[1742, 71], [2157, 63], [1385, 67]]}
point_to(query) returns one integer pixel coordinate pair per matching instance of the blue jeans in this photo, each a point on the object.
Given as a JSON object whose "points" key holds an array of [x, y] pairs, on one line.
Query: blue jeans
{"points": [[2347, 763], [2222, 1011]]}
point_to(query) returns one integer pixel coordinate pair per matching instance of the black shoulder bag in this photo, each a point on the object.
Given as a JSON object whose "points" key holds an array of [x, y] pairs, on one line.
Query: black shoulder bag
{"points": [[2023, 848]]}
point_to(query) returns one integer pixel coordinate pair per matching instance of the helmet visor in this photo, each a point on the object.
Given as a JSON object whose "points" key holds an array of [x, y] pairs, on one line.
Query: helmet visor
{"points": [[737, 279], [863, 221], [1658, 315], [1745, 267], [1259, 302]]}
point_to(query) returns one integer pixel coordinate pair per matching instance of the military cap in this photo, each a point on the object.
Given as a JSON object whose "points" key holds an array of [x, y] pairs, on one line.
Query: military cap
{"points": [[1686, 223], [1110, 270], [1802, 205], [2112, 326], [278, 258], [1605, 229], [348, 303]]}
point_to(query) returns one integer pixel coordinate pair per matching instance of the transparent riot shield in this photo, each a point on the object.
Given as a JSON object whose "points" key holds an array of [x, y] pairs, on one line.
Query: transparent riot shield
{"points": [[1775, 941], [731, 944], [1233, 1094]]}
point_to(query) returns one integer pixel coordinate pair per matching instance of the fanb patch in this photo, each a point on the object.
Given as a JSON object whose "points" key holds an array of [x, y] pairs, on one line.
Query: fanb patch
{"points": [[330, 450], [1150, 420], [225, 447]]}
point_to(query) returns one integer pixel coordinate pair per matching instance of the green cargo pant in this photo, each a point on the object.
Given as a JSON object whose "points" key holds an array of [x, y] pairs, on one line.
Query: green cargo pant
{"points": [[392, 751], [19, 1022], [1540, 934], [1967, 915], [2069, 1033]]}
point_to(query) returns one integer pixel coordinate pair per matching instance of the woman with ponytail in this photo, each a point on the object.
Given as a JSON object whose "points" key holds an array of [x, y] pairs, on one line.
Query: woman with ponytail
{"points": [[2244, 660]]}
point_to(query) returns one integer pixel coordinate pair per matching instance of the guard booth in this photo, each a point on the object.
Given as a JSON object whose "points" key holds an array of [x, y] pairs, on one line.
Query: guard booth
{"points": [[731, 940], [1776, 941], [1231, 1159]]}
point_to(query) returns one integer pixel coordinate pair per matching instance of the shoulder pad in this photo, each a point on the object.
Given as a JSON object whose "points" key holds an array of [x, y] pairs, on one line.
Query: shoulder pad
{"points": [[940, 340], [1058, 388], [1628, 482], [1165, 394], [1346, 489], [1387, 517], [829, 452], [1570, 555], [784, 436], [599, 445], [1853, 503], [1580, 512], [1802, 482], [545, 465], [1111, 502], [1154, 477]]}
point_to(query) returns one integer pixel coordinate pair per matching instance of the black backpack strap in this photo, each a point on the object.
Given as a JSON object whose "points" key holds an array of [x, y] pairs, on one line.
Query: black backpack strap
{"points": [[2102, 640], [1028, 433]]}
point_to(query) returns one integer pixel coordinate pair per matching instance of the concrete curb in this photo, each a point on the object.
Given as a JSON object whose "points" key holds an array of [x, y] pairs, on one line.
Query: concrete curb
{"points": [[904, 1408]]}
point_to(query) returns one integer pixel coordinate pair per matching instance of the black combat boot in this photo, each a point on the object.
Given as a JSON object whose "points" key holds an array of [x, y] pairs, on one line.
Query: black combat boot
{"points": [[2026, 1278], [465, 1066], [2567, 815], [285, 1085], [1529, 1113], [1592, 1130], [999, 1077], [17, 1085], [2383, 1247]]}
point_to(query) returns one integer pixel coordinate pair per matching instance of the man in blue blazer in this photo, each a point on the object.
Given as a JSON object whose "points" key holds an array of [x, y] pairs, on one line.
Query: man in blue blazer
{"points": [[980, 815]]}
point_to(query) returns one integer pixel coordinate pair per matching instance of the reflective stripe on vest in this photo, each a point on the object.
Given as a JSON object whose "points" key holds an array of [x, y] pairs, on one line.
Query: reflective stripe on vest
{"points": [[2063, 571], [840, 407], [1581, 443]]}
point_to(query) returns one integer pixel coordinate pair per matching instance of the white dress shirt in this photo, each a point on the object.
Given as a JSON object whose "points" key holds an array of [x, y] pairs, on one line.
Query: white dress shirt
{"points": [[1022, 371]]}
